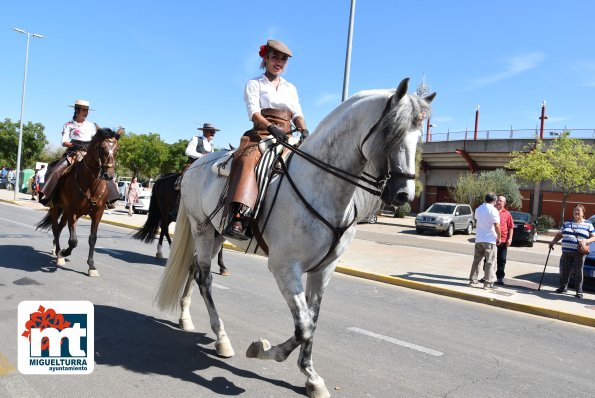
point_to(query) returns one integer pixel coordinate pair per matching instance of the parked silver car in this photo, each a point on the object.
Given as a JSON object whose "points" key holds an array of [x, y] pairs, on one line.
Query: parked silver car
{"points": [[446, 218]]}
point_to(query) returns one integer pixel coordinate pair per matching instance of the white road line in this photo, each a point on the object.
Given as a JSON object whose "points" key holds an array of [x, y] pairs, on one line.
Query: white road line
{"points": [[416, 347], [218, 286], [18, 223]]}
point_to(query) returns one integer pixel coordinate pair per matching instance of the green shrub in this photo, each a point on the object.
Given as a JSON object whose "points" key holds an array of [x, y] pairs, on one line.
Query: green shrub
{"points": [[545, 222], [402, 210]]}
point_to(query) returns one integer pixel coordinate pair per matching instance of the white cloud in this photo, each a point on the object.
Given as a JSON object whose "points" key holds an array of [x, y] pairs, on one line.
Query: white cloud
{"points": [[514, 66], [326, 98]]}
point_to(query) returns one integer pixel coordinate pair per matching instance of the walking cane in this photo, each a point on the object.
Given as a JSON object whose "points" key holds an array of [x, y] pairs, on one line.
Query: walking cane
{"points": [[548, 257]]}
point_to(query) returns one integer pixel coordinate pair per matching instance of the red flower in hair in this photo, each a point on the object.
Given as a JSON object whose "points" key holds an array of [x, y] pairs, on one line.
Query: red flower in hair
{"points": [[263, 51]]}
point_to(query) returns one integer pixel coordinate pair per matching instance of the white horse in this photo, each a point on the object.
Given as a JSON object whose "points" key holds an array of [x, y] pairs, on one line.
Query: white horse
{"points": [[310, 211]]}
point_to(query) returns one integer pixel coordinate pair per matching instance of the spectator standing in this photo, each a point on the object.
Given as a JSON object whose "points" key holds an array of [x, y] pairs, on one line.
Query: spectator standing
{"points": [[132, 195], [506, 231], [573, 232], [486, 239], [41, 176], [34, 184]]}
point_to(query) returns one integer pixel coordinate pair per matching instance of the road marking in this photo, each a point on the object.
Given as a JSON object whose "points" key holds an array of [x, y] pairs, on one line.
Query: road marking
{"points": [[218, 286], [18, 223], [5, 366], [402, 343]]}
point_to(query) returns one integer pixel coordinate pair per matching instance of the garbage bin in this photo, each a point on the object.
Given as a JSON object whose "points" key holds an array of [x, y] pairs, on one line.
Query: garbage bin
{"points": [[24, 179]]}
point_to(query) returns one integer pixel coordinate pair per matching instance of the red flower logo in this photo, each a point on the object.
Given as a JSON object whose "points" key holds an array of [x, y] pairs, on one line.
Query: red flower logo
{"points": [[43, 319], [263, 51]]}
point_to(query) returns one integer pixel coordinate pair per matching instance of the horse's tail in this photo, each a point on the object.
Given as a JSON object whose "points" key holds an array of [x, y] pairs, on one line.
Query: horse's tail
{"points": [[178, 264], [148, 231], [46, 222]]}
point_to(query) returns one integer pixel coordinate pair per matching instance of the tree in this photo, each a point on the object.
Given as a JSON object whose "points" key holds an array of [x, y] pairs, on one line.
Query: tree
{"points": [[472, 188], [142, 154], [34, 141], [176, 159], [568, 163], [49, 154]]}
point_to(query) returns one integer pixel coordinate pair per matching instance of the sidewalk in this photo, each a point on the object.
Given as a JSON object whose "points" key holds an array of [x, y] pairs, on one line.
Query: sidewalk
{"points": [[425, 269]]}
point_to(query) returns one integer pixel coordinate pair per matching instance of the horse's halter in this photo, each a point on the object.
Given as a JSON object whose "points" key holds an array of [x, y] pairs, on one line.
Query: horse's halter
{"points": [[381, 181], [110, 146]]}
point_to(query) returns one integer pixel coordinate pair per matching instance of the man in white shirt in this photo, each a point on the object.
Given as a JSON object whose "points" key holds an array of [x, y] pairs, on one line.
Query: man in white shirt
{"points": [[198, 147], [486, 238]]}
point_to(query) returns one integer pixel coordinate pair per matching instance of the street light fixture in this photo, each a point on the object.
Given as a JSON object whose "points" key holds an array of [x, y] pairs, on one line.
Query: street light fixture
{"points": [[16, 186]]}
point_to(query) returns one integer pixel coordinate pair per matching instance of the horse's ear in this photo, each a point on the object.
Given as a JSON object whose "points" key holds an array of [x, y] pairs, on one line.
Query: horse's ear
{"points": [[430, 97], [120, 133], [402, 89], [97, 127]]}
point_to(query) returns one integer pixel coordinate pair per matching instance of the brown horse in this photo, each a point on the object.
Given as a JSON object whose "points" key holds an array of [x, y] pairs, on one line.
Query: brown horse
{"points": [[162, 212], [83, 190]]}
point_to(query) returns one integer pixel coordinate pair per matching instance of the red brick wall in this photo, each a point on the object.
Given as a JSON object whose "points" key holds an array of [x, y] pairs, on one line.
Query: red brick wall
{"points": [[551, 204]]}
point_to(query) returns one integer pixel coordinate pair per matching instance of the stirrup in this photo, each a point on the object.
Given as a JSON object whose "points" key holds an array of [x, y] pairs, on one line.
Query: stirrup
{"points": [[234, 232]]}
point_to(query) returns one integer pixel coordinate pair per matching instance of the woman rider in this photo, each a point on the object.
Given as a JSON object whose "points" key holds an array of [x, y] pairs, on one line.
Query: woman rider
{"points": [[272, 103], [76, 136]]}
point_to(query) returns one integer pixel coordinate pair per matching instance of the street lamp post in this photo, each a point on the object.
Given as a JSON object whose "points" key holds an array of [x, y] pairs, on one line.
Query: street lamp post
{"points": [[348, 54], [16, 186]]}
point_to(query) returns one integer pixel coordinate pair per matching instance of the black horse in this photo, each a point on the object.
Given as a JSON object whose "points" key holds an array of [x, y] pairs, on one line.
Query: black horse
{"points": [[162, 212]]}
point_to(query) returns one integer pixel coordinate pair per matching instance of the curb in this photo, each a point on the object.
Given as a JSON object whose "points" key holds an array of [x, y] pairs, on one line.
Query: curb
{"points": [[392, 280], [526, 308], [495, 302]]}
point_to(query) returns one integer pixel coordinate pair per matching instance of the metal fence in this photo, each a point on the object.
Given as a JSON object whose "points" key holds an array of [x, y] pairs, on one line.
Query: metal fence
{"points": [[469, 135]]}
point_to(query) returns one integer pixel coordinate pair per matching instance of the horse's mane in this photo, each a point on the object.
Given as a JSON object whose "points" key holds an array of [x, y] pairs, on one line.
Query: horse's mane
{"points": [[363, 111]]}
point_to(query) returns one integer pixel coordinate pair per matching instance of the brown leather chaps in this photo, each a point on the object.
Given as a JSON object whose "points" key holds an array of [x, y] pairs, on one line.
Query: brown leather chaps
{"points": [[242, 178]]}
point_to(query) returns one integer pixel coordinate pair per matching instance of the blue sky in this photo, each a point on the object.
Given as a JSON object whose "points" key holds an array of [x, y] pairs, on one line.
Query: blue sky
{"points": [[165, 66]]}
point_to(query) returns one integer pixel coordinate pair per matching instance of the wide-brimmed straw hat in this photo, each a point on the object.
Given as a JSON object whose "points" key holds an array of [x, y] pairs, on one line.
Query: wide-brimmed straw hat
{"points": [[279, 46], [79, 103], [208, 126]]}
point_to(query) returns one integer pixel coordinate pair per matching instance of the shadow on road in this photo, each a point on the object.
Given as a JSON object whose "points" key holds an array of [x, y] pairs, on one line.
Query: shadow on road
{"points": [[28, 259], [131, 257], [146, 345]]}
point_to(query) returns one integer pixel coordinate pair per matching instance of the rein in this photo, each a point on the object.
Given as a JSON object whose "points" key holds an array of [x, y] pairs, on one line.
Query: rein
{"points": [[85, 194], [337, 231], [378, 183]]}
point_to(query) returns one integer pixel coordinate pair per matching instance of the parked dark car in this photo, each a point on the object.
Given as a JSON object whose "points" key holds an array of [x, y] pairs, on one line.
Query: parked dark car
{"points": [[5, 183], [525, 228]]}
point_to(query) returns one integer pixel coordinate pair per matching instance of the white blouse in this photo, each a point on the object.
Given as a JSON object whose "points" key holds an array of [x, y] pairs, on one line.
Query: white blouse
{"points": [[260, 93]]}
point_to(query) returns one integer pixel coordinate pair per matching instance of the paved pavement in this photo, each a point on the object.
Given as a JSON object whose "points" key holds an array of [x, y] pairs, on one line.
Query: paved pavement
{"points": [[374, 255]]}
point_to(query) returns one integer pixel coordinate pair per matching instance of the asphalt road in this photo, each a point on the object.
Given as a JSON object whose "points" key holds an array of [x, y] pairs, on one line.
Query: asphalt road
{"points": [[373, 340]]}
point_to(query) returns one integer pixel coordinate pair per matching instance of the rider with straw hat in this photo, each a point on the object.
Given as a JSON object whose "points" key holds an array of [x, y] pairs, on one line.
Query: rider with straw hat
{"points": [[76, 136]]}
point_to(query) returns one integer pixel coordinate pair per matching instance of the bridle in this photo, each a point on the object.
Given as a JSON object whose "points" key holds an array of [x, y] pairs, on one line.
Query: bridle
{"points": [[376, 185], [109, 163]]}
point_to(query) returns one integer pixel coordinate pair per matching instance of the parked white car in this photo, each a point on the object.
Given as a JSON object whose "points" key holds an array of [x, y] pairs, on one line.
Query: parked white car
{"points": [[144, 200], [122, 187]]}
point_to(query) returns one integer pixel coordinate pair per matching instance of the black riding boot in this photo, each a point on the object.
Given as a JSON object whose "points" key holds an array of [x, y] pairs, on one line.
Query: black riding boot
{"points": [[239, 215]]}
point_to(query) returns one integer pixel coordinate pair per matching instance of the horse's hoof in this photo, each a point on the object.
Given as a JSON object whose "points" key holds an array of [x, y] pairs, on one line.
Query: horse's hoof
{"points": [[224, 348], [158, 255], [93, 272], [224, 272], [317, 390], [258, 347], [60, 261], [186, 324]]}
